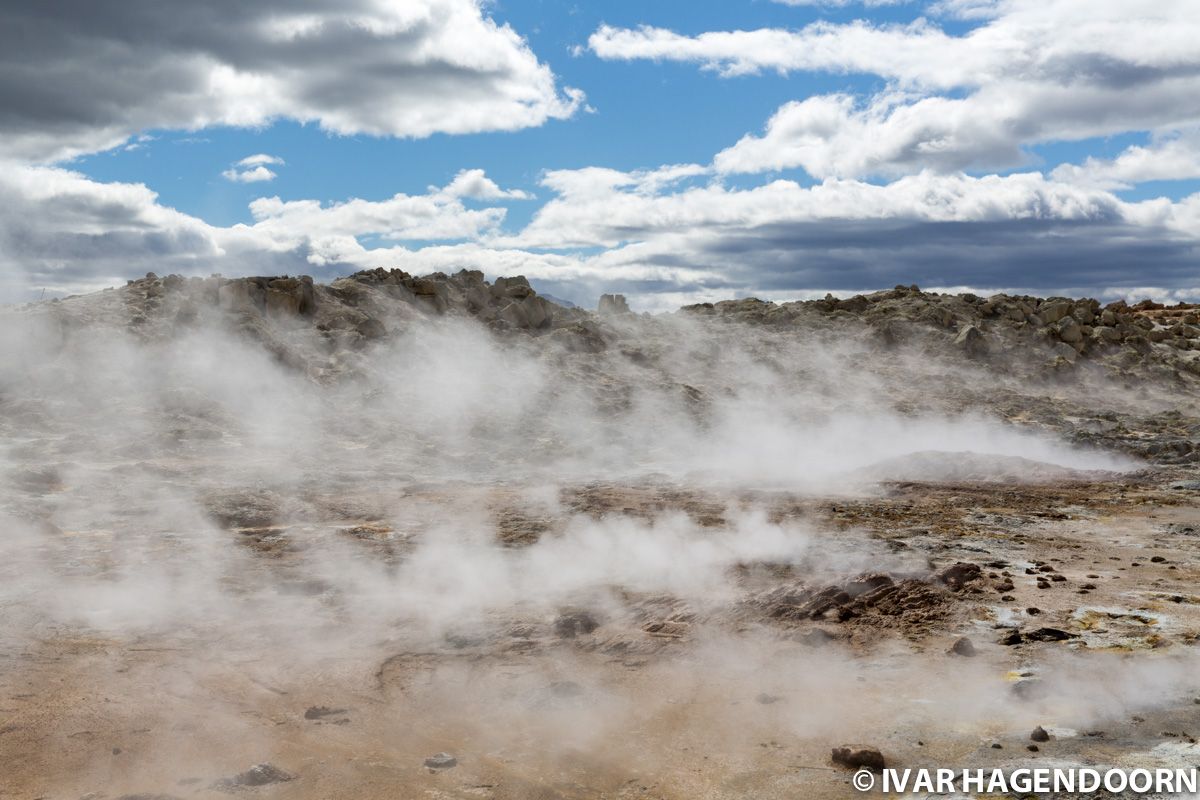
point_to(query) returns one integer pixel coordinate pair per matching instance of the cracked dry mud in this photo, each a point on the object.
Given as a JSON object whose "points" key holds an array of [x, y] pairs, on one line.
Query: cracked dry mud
{"points": [[645, 558]]}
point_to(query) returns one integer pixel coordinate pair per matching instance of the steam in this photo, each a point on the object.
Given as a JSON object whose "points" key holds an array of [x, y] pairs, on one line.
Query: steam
{"points": [[199, 488]]}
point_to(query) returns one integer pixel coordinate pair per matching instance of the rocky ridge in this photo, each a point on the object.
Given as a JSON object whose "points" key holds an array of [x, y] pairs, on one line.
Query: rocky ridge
{"points": [[352, 311]]}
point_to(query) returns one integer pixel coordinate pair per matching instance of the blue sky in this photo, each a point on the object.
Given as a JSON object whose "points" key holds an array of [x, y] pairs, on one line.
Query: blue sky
{"points": [[908, 120]]}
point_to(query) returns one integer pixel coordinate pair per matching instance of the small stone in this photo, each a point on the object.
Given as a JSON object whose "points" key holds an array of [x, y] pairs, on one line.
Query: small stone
{"points": [[1013, 637], [319, 712], [574, 623], [1039, 734], [858, 757], [258, 775], [441, 761], [963, 647]]}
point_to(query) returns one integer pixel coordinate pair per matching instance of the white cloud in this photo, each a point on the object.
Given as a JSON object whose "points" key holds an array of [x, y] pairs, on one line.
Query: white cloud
{"points": [[604, 208], [1033, 71], [253, 175], [903, 52], [79, 77], [61, 230], [1175, 157], [260, 159], [253, 169], [433, 216], [473, 183]]}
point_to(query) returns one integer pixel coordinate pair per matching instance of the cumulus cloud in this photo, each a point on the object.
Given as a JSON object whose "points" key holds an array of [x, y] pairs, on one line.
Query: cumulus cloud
{"points": [[80, 76], [259, 160], [1174, 157], [63, 231], [1031, 71], [252, 175], [252, 169], [475, 184]]}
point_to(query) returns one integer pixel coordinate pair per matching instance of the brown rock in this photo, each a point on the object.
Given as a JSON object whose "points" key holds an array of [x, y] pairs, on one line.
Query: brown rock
{"points": [[858, 757]]}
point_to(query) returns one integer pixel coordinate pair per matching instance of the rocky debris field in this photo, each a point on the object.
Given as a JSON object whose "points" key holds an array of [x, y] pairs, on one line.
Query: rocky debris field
{"points": [[436, 536]]}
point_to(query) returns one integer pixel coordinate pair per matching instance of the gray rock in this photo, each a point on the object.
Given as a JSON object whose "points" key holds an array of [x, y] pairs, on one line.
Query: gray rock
{"points": [[613, 304], [970, 339], [371, 329], [1066, 351], [1054, 311], [963, 647], [573, 623], [1068, 330]]}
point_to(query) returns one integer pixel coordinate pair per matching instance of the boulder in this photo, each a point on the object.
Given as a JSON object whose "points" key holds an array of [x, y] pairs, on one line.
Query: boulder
{"points": [[538, 311], [1068, 330], [515, 314], [613, 304], [516, 287], [1052, 312], [1066, 351], [238, 295], [970, 340], [281, 303]]}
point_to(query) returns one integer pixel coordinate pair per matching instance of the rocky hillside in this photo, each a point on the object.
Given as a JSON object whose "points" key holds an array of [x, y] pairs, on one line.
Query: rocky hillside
{"points": [[978, 326], [351, 312]]}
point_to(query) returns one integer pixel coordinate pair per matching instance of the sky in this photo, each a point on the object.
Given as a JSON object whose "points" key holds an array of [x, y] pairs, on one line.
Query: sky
{"points": [[672, 151]]}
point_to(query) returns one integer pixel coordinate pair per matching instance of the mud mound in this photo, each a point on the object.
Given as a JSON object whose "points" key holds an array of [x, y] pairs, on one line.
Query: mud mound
{"points": [[871, 599], [938, 466]]}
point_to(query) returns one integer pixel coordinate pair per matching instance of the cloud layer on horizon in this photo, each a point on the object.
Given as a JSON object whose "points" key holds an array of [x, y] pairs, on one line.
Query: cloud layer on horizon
{"points": [[668, 236]]}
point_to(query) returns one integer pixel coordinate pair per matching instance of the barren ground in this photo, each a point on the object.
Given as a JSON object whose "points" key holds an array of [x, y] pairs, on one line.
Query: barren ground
{"points": [[216, 567]]}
